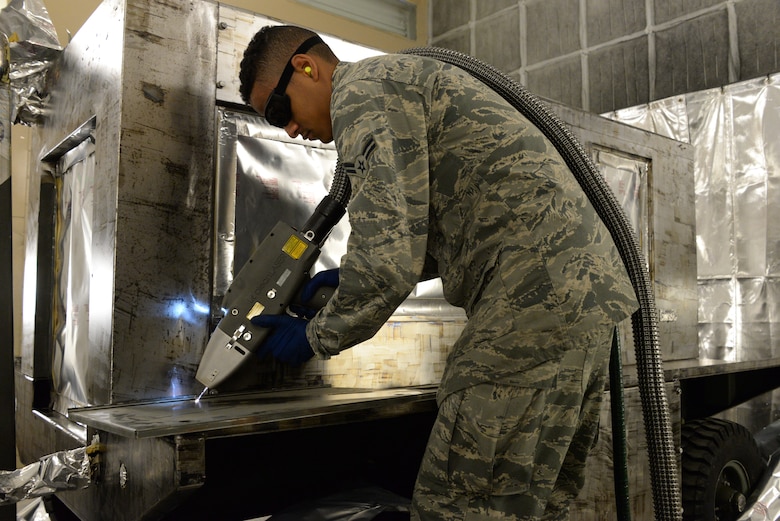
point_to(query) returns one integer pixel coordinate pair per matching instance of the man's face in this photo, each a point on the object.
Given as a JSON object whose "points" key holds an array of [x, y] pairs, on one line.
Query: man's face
{"points": [[309, 106]]}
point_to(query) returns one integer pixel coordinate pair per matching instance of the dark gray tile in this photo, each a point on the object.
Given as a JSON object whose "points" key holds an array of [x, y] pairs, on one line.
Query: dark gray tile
{"points": [[448, 14], [666, 10], [618, 76], [488, 7], [498, 41], [610, 19], [561, 81], [692, 56], [553, 28], [458, 41], [759, 37]]}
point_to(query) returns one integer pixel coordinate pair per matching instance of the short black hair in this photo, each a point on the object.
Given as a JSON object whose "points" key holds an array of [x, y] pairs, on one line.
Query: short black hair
{"points": [[269, 51]]}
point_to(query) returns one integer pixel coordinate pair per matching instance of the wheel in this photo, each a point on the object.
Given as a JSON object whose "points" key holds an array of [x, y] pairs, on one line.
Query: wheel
{"points": [[721, 464]]}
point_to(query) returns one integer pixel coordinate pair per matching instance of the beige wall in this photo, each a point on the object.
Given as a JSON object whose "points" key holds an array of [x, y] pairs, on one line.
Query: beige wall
{"points": [[68, 16]]}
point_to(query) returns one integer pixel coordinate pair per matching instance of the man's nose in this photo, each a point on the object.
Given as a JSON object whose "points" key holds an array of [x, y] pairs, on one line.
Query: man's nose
{"points": [[292, 129]]}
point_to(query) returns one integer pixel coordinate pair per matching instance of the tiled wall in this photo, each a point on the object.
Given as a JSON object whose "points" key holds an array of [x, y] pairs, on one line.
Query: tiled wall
{"points": [[602, 55]]}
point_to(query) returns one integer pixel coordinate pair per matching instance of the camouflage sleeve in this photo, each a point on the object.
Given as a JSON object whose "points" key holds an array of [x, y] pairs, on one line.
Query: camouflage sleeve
{"points": [[380, 129]]}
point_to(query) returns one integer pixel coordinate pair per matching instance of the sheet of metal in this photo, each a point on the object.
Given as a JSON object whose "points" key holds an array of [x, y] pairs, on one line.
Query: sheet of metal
{"points": [[250, 413], [264, 177], [88, 81], [629, 178], [164, 199]]}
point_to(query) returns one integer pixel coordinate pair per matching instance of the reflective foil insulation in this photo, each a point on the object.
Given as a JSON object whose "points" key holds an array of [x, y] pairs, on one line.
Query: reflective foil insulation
{"points": [[64, 470], [737, 176], [34, 46]]}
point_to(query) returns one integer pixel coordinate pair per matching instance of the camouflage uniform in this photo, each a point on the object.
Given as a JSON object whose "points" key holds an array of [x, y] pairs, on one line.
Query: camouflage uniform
{"points": [[444, 170]]}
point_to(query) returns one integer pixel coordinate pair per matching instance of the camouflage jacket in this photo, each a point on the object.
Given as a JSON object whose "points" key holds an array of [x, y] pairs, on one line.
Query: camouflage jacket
{"points": [[443, 168]]}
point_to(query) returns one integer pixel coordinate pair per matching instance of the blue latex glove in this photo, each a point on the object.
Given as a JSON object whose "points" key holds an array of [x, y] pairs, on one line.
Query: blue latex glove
{"points": [[328, 278], [287, 340]]}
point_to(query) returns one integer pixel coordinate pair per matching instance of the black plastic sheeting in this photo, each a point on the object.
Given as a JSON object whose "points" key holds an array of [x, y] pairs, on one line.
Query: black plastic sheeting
{"points": [[361, 504]]}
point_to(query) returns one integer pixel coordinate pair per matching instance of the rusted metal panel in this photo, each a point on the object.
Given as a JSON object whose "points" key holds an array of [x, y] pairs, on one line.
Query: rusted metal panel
{"points": [[165, 186], [149, 84]]}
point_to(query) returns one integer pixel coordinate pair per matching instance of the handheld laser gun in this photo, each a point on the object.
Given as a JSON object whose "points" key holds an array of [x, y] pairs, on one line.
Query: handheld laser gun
{"points": [[268, 283]]}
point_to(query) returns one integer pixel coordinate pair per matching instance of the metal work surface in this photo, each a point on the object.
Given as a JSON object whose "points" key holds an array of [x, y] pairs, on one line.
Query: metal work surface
{"points": [[251, 412], [675, 370], [683, 369]]}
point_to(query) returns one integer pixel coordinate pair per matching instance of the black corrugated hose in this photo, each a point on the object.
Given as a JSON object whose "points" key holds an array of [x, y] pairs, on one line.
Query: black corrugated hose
{"points": [[340, 189], [655, 410], [331, 209], [619, 442]]}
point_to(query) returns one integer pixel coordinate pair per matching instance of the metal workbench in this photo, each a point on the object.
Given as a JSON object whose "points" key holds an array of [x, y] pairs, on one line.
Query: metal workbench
{"points": [[245, 413], [175, 458]]}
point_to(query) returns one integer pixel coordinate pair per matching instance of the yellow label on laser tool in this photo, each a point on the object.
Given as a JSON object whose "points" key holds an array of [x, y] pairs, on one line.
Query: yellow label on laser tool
{"points": [[294, 247], [256, 310]]}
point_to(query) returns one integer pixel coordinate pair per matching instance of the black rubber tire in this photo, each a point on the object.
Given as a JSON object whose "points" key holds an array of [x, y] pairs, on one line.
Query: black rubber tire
{"points": [[721, 464]]}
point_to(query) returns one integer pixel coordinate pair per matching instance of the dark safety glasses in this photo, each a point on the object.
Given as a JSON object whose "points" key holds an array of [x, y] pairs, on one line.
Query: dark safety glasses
{"points": [[278, 111]]}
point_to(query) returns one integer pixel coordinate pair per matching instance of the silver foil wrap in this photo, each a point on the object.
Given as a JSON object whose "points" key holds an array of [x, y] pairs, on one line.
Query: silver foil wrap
{"points": [[767, 504], [33, 511], [34, 46], [75, 183], [737, 181], [65, 470]]}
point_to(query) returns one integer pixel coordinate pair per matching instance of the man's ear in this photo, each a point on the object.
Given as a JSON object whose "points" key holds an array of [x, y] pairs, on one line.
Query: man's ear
{"points": [[305, 64]]}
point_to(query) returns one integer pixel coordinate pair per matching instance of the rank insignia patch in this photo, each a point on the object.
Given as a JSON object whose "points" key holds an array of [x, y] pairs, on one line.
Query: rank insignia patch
{"points": [[360, 166]]}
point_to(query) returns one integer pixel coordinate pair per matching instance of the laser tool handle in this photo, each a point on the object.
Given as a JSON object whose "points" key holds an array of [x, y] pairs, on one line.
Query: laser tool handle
{"points": [[320, 298], [309, 308]]}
